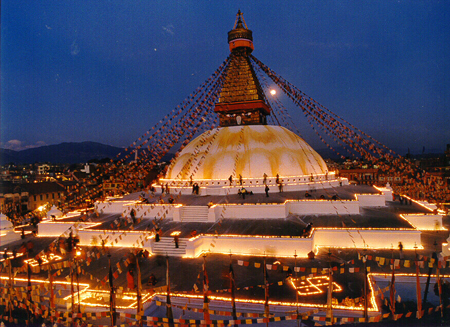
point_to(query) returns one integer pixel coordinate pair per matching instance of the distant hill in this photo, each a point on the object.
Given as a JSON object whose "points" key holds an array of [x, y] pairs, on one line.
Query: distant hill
{"points": [[70, 153], [60, 153]]}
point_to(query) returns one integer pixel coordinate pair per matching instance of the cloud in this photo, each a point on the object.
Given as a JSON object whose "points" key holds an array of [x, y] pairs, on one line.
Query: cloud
{"points": [[18, 145], [169, 29], [74, 48]]}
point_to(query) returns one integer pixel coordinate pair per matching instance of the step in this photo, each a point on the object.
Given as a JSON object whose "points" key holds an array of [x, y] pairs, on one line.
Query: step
{"points": [[194, 213], [166, 246]]}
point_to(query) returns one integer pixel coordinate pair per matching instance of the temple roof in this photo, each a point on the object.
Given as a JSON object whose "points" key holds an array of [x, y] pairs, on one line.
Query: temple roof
{"points": [[241, 83], [241, 100], [240, 31]]}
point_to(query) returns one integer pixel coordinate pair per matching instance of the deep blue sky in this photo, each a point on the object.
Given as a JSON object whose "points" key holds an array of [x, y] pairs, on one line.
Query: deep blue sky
{"points": [[107, 71]]}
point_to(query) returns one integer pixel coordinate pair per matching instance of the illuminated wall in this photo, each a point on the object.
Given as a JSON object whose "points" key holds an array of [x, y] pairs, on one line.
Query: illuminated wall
{"points": [[8, 236], [371, 200], [251, 211], [49, 228], [387, 191], [250, 245], [323, 207], [256, 185], [369, 238], [89, 236], [247, 210], [425, 222], [111, 206]]}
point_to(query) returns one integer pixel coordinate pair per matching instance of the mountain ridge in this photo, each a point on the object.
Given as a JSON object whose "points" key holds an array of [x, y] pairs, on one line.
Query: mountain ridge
{"points": [[63, 153], [79, 152]]}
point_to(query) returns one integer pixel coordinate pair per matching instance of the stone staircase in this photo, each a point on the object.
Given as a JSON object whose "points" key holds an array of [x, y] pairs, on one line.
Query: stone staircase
{"points": [[166, 246], [194, 214]]}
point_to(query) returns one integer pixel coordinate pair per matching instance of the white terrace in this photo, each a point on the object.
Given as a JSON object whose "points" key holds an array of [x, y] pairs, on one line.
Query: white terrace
{"points": [[183, 217]]}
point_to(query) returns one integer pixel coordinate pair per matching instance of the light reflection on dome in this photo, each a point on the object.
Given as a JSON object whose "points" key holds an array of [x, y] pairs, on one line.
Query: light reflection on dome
{"points": [[260, 150]]}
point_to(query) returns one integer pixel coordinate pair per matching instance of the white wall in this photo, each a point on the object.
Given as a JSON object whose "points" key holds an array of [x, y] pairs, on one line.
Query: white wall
{"points": [[251, 211], [425, 222], [142, 210], [323, 207], [353, 238], [387, 191], [256, 185], [50, 228], [127, 239], [151, 210], [111, 206], [195, 247], [277, 246], [371, 200], [7, 237]]}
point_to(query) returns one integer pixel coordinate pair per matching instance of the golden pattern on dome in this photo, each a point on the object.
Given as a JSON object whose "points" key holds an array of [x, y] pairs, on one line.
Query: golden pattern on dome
{"points": [[262, 150]]}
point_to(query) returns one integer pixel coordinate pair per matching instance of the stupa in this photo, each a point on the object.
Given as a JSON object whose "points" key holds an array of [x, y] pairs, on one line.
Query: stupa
{"points": [[312, 212], [244, 151], [216, 187]]}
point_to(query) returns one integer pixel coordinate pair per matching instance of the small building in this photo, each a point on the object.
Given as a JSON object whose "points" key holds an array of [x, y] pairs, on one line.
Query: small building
{"points": [[113, 186], [13, 198], [366, 176], [44, 193]]}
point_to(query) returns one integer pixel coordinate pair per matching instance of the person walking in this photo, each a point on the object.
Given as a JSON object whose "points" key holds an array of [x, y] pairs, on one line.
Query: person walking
{"points": [[266, 189], [400, 248]]}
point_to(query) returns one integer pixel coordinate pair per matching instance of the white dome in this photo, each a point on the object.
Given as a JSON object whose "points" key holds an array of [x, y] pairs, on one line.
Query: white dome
{"points": [[250, 150]]}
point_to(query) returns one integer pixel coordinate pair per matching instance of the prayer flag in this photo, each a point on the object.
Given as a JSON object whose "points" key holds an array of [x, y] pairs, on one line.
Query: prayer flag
{"points": [[205, 292]]}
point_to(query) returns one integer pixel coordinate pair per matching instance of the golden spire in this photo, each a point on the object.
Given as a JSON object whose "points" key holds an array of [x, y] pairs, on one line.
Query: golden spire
{"points": [[240, 36], [241, 100]]}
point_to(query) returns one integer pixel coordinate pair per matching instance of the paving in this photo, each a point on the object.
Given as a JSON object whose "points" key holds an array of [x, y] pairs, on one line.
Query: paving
{"points": [[344, 192]]}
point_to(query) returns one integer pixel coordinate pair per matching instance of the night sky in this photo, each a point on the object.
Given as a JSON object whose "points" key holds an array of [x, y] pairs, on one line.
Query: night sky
{"points": [[107, 71]]}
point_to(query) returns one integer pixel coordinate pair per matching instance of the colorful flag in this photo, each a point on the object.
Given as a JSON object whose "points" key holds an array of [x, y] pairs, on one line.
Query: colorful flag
{"points": [[329, 314], [130, 280], [439, 284], [392, 291], [266, 291], [169, 312], [112, 297], [418, 291], [205, 292], [232, 290]]}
